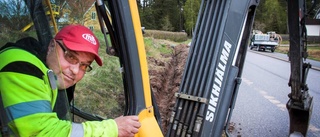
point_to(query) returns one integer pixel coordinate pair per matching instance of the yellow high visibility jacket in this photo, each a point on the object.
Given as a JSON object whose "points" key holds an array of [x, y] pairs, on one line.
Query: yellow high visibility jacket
{"points": [[27, 98]]}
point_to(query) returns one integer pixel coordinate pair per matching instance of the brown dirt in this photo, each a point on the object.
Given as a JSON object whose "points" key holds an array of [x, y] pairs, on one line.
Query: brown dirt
{"points": [[165, 77]]}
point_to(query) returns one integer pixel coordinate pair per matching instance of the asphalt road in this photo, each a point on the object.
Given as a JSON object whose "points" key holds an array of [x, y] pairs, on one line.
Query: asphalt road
{"points": [[260, 109]]}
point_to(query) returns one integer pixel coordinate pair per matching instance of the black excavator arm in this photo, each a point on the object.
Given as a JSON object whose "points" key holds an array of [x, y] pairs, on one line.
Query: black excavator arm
{"points": [[212, 74], [300, 102]]}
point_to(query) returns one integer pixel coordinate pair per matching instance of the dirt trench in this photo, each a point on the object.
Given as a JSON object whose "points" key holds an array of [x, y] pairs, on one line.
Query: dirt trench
{"points": [[165, 76]]}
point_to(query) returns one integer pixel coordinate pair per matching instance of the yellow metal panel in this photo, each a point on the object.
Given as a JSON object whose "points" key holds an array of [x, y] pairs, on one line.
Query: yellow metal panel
{"points": [[141, 50], [149, 126]]}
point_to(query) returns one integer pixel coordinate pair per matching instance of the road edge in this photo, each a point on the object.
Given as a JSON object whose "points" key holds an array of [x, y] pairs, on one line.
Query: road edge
{"points": [[281, 58]]}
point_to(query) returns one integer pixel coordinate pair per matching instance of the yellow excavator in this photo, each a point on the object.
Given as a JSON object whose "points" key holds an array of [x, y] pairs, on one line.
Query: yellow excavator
{"points": [[212, 74]]}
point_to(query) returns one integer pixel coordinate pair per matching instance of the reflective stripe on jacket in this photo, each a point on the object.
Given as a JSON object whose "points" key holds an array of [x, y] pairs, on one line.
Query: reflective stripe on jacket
{"points": [[28, 100]]}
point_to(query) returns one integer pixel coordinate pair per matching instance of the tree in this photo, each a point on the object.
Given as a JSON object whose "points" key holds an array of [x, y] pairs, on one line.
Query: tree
{"points": [[166, 24], [159, 11], [146, 14], [76, 10], [173, 13], [14, 13], [160, 14], [271, 15], [190, 14]]}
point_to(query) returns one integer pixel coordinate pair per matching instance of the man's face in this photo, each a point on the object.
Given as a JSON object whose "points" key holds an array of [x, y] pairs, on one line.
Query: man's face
{"points": [[69, 66]]}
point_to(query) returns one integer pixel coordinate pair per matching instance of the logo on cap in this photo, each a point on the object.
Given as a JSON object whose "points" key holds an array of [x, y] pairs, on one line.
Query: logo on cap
{"points": [[89, 38]]}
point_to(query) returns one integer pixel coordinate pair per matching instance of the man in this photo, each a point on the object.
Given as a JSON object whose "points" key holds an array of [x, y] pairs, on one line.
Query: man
{"points": [[30, 81]]}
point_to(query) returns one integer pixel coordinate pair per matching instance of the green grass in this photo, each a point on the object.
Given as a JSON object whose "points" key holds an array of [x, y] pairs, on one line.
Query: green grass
{"points": [[13, 36], [187, 41], [148, 44], [285, 42], [163, 48], [313, 51], [99, 91], [314, 48], [155, 49]]}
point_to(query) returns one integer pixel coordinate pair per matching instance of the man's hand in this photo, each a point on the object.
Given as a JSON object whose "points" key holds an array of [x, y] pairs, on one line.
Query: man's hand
{"points": [[127, 125]]}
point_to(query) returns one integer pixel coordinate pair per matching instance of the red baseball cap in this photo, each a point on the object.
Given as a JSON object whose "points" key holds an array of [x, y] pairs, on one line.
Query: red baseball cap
{"points": [[80, 38]]}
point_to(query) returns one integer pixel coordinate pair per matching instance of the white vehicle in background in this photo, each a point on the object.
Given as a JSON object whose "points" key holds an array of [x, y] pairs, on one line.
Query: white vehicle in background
{"points": [[263, 42]]}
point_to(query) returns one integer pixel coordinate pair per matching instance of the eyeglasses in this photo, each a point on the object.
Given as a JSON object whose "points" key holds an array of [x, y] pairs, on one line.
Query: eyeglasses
{"points": [[72, 59]]}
